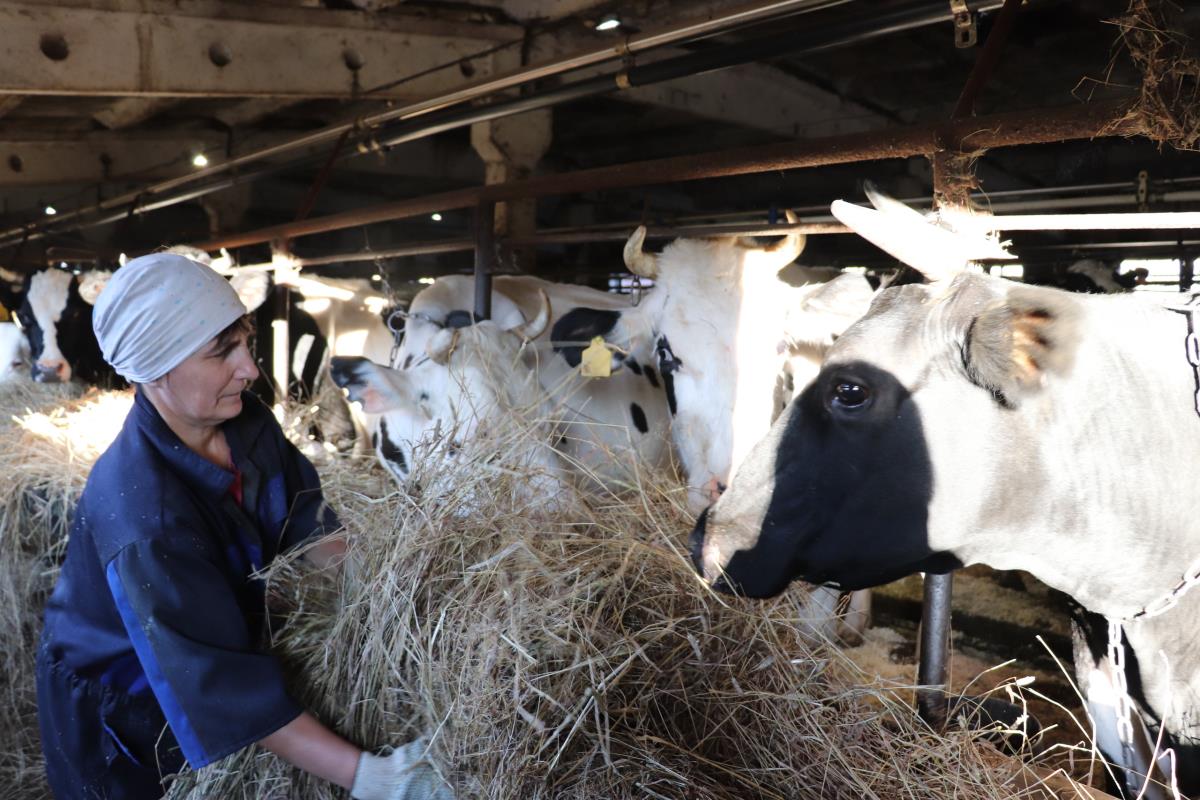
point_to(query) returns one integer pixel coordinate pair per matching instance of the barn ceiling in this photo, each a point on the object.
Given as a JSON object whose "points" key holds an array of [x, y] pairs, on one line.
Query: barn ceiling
{"points": [[106, 100]]}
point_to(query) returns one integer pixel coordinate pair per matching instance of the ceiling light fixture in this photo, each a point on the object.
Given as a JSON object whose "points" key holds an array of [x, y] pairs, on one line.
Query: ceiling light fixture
{"points": [[199, 160], [435, 217], [608, 22], [51, 211]]}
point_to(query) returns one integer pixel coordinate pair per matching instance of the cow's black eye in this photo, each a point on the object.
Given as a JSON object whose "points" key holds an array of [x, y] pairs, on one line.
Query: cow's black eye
{"points": [[850, 396]]}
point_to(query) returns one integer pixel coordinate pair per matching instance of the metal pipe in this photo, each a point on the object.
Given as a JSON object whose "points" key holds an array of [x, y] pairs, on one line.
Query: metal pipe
{"points": [[618, 232], [694, 231], [485, 254], [978, 133], [934, 647], [989, 57], [415, 249], [1163, 220], [744, 15]]}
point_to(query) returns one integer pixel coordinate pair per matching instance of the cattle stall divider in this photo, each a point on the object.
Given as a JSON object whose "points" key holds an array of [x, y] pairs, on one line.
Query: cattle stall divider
{"points": [[485, 255]]}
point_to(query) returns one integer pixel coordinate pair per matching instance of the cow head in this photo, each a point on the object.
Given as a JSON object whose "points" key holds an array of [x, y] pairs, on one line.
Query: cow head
{"points": [[466, 378], [14, 352], [918, 446], [53, 307], [734, 342]]}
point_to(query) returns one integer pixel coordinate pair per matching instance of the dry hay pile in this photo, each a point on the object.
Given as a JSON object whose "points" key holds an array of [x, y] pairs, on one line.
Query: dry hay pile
{"points": [[547, 654], [49, 438], [574, 654]]}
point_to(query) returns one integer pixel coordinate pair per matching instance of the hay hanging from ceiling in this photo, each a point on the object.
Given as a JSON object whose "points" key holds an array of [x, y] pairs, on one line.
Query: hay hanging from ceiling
{"points": [[1167, 108]]}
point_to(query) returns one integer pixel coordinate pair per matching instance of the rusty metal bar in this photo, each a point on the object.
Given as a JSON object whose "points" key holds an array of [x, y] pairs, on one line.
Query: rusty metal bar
{"points": [[1037, 126], [613, 233], [414, 249], [693, 231], [989, 57]]}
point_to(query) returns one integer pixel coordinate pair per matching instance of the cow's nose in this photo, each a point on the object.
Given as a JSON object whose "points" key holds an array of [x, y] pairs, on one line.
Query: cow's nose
{"points": [[50, 372], [714, 489], [696, 548]]}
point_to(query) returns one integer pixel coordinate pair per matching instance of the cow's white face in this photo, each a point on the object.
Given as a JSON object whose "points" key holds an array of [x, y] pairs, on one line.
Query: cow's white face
{"points": [[467, 384], [734, 344], [14, 353], [48, 293]]}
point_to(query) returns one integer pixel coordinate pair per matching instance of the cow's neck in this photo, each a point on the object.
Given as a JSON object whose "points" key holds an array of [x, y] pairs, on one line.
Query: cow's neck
{"points": [[1106, 461]]}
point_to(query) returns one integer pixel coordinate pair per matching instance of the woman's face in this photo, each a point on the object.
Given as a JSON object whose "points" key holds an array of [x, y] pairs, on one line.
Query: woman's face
{"points": [[206, 388]]}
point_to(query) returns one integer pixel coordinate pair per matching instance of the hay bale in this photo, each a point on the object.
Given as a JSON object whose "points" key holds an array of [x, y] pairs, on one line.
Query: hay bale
{"points": [[573, 653], [50, 436]]}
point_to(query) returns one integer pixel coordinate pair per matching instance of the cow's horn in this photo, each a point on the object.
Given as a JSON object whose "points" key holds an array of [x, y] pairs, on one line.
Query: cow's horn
{"points": [[789, 247], [637, 260], [537, 326]]}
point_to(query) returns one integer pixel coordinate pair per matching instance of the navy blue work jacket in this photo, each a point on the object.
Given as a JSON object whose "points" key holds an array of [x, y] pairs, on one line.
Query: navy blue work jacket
{"points": [[153, 636]]}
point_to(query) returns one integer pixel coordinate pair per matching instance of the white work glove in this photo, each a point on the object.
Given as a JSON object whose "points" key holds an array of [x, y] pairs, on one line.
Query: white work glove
{"points": [[402, 775]]}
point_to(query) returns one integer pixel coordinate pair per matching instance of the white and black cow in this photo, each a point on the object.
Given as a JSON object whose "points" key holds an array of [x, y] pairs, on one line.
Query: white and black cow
{"points": [[609, 428], [471, 390], [976, 420], [734, 341], [54, 309], [15, 361]]}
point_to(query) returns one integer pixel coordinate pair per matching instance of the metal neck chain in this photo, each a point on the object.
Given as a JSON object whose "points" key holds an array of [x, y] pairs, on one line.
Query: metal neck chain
{"points": [[1191, 344]]}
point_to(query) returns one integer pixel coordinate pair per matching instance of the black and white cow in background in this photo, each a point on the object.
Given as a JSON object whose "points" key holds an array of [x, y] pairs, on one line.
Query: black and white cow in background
{"points": [[609, 428], [14, 353], [976, 420], [54, 309], [1089, 275]]}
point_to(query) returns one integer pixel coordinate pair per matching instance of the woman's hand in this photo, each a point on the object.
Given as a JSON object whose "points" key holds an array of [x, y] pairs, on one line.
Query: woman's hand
{"points": [[328, 552]]}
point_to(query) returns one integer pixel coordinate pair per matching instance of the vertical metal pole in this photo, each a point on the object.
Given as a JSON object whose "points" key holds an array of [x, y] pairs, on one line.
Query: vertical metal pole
{"points": [[280, 363], [485, 252], [935, 647]]}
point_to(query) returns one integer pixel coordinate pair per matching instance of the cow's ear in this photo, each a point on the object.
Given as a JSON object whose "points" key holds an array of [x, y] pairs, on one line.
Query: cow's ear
{"points": [[377, 387], [1018, 342], [92, 283], [441, 345], [252, 286]]}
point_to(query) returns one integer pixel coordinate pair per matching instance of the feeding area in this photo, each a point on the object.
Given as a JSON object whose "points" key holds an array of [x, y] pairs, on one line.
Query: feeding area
{"points": [[569, 653], [657, 399]]}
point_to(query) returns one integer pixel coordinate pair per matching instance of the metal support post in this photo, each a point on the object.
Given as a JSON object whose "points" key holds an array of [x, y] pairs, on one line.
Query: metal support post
{"points": [[935, 647], [485, 253]]}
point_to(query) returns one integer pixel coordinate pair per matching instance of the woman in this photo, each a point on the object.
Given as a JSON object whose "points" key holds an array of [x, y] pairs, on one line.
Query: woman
{"points": [[150, 651]]}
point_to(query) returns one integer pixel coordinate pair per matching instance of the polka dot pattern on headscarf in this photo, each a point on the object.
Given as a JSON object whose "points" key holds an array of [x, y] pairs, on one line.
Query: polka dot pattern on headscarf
{"points": [[159, 309]]}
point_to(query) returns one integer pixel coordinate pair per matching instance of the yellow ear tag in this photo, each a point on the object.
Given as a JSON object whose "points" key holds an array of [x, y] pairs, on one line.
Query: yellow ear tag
{"points": [[597, 361]]}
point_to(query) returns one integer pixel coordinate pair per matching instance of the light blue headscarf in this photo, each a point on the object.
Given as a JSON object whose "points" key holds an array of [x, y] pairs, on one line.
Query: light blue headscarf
{"points": [[159, 309]]}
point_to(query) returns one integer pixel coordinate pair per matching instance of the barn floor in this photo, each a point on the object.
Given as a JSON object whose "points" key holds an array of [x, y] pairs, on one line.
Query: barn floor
{"points": [[1006, 626]]}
